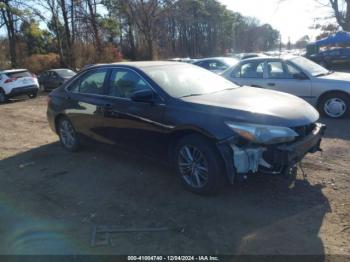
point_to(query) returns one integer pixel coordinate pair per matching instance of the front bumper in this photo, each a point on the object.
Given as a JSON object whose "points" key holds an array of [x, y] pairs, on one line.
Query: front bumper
{"points": [[242, 160], [310, 144]]}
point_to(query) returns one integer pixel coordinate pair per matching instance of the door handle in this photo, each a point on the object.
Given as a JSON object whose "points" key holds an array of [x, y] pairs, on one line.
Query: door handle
{"points": [[271, 84]]}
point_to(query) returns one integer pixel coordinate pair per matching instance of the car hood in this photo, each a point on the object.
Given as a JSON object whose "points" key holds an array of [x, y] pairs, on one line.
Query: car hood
{"points": [[336, 76], [259, 106]]}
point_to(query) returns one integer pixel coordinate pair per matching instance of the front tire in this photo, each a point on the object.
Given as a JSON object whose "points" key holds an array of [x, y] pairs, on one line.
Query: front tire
{"points": [[199, 165], [68, 136], [335, 105]]}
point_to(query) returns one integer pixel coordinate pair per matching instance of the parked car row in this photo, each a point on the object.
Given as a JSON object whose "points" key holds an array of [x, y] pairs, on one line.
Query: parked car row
{"points": [[332, 57], [18, 82], [327, 91]]}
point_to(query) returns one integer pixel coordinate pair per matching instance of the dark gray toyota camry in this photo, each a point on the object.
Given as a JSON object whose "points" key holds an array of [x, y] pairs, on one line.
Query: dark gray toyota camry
{"points": [[212, 131]]}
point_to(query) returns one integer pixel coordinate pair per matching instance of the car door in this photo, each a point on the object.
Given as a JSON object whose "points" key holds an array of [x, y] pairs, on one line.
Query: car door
{"points": [[249, 73], [85, 103], [56, 80], [43, 78], [285, 77], [47, 82], [130, 124], [334, 57]]}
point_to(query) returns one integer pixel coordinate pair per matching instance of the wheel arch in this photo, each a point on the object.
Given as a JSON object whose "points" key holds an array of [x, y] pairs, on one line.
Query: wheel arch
{"points": [[57, 118], [179, 133], [323, 95]]}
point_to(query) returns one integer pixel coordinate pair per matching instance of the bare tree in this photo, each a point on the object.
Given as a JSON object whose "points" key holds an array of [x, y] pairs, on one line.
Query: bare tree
{"points": [[91, 4], [342, 13], [145, 14], [9, 19]]}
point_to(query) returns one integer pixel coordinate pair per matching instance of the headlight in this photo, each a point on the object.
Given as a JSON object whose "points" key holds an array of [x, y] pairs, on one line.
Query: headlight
{"points": [[263, 134]]}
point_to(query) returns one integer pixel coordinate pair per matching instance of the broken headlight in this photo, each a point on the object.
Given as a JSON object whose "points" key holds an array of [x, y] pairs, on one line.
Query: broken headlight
{"points": [[263, 134]]}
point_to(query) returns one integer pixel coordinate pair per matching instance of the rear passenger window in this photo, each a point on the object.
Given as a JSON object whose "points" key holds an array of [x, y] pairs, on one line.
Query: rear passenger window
{"points": [[276, 70], [250, 70], [90, 83]]}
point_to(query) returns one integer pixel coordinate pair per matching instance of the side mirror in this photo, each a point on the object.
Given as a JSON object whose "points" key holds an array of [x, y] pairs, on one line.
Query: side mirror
{"points": [[145, 96], [300, 76]]}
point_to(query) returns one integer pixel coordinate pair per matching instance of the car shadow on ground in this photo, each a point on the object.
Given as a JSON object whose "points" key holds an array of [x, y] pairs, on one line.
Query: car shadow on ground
{"points": [[51, 200], [23, 98]]}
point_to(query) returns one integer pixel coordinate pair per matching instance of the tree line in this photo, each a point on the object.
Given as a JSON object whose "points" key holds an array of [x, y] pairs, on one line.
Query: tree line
{"points": [[72, 33]]}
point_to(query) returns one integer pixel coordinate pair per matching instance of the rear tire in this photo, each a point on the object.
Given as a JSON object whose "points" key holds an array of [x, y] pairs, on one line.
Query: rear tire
{"points": [[335, 105], [3, 97], [68, 136], [199, 165], [33, 95]]}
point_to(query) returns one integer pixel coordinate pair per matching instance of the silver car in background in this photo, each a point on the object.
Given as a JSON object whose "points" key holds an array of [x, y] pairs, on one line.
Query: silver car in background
{"points": [[216, 64], [326, 90]]}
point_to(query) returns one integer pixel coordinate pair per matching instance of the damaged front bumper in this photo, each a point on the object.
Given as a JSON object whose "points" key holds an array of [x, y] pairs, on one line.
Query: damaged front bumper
{"points": [[273, 159]]}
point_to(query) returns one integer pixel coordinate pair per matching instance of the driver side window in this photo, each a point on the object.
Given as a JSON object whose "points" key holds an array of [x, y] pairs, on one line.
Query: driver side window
{"points": [[253, 69]]}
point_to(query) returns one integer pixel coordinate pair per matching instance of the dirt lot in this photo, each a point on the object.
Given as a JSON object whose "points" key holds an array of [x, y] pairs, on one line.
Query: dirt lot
{"points": [[50, 200]]}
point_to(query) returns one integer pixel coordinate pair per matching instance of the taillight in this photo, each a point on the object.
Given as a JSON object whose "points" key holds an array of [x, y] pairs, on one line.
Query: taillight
{"points": [[34, 75], [9, 80]]}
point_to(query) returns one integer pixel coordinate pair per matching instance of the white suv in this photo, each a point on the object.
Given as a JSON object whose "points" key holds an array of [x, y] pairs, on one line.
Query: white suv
{"points": [[17, 82]]}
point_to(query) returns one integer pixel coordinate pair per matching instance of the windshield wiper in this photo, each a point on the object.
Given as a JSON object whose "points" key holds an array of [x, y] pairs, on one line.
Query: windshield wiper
{"points": [[223, 90], [325, 74], [321, 74]]}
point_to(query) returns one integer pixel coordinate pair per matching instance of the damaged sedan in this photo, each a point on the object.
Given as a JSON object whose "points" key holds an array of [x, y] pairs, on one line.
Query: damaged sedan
{"points": [[212, 131]]}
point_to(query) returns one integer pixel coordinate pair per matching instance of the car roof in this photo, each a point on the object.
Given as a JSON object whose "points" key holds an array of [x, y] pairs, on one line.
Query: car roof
{"points": [[213, 58], [58, 69], [13, 70], [140, 65], [270, 58]]}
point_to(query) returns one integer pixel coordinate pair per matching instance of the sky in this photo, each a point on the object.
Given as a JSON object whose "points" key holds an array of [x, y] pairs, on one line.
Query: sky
{"points": [[292, 18]]}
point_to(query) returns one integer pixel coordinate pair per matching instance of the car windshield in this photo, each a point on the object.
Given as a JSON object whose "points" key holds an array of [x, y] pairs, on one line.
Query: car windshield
{"points": [[187, 80], [65, 73], [311, 67]]}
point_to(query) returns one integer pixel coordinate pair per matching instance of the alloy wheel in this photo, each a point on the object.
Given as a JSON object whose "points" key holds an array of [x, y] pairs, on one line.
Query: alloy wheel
{"points": [[193, 166]]}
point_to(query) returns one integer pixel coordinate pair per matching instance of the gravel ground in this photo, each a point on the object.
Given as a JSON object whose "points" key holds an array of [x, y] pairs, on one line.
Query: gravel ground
{"points": [[51, 200]]}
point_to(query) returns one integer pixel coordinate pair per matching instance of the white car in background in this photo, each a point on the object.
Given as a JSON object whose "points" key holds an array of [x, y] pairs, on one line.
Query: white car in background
{"points": [[17, 82], [326, 90]]}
